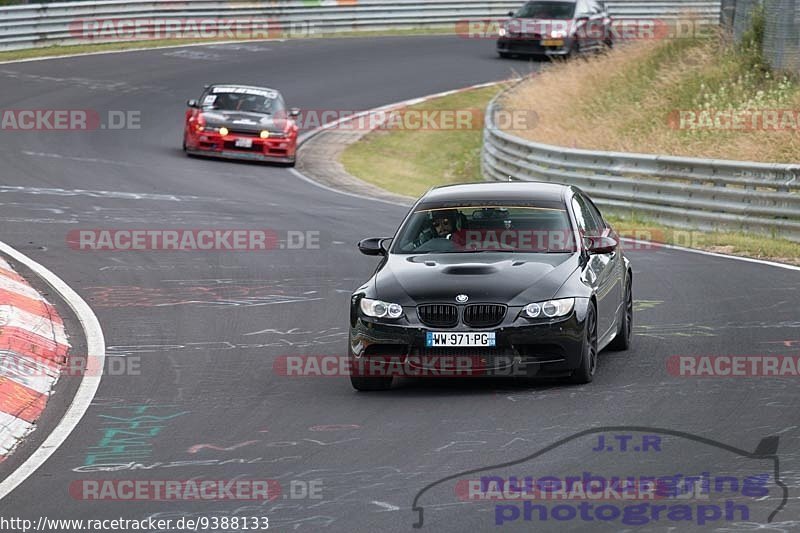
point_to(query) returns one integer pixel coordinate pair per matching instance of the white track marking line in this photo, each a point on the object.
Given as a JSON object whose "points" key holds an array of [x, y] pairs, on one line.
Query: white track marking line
{"points": [[144, 49], [96, 349], [305, 178], [82, 159], [387, 506], [716, 254], [191, 45]]}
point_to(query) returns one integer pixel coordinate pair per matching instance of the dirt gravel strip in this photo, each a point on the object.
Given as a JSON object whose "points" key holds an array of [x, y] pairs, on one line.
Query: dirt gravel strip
{"points": [[33, 351]]}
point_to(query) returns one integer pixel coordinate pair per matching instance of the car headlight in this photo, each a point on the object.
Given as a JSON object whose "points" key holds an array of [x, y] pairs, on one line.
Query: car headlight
{"points": [[550, 308], [379, 309], [502, 31], [558, 34]]}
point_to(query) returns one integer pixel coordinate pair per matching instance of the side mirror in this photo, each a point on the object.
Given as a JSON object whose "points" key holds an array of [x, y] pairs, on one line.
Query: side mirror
{"points": [[510, 13], [600, 245], [294, 112], [373, 246], [192, 103]]}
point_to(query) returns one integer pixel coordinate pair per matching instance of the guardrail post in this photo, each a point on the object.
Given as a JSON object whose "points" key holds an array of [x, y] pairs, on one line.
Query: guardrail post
{"points": [[727, 14]]}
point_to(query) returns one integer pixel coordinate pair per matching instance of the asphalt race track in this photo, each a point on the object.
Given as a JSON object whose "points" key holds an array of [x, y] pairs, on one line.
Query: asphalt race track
{"points": [[206, 327]]}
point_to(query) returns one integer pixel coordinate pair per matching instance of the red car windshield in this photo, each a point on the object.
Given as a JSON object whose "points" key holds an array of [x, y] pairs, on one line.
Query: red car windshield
{"points": [[265, 103]]}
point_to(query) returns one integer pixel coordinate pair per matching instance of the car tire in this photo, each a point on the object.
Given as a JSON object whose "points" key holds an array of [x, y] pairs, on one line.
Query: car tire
{"points": [[585, 372], [371, 384], [622, 341], [504, 55], [184, 144]]}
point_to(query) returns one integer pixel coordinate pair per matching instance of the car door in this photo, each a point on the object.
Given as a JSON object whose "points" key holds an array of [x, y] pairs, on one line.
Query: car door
{"points": [[607, 23], [600, 268], [584, 25], [617, 272], [596, 24]]}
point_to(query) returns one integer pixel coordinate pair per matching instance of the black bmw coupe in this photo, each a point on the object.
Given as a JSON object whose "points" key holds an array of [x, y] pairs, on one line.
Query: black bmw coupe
{"points": [[518, 279]]}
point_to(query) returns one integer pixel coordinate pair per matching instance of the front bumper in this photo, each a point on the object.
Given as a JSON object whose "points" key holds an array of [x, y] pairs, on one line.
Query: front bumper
{"points": [[273, 150], [532, 47], [548, 347]]}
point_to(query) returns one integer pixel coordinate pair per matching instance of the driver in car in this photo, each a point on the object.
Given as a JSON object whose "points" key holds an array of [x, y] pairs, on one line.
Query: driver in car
{"points": [[447, 225], [443, 223]]}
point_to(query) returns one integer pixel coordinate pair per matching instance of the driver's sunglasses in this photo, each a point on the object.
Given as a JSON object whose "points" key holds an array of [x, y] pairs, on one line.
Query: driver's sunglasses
{"points": [[441, 222]]}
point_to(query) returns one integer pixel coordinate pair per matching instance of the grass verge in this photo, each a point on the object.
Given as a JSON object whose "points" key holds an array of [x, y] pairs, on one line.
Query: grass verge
{"points": [[676, 96], [409, 162], [59, 51]]}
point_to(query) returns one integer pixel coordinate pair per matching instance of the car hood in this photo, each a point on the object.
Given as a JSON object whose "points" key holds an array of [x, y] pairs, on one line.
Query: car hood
{"points": [[244, 121], [513, 279]]}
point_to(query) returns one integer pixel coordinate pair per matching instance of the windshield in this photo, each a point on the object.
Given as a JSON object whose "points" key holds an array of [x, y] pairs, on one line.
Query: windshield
{"points": [[546, 10], [473, 229], [245, 100]]}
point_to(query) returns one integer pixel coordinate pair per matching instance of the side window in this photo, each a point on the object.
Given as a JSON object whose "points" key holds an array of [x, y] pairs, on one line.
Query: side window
{"points": [[587, 222], [595, 213]]}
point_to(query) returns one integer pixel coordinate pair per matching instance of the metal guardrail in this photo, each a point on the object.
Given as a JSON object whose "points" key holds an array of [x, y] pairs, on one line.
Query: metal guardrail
{"points": [[693, 193], [36, 25]]}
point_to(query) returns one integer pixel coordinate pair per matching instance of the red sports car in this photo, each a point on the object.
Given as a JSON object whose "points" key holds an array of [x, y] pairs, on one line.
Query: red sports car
{"points": [[241, 122]]}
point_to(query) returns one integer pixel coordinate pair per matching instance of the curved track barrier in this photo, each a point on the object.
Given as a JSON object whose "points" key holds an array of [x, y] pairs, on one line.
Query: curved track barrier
{"points": [[70, 23], [678, 191]]}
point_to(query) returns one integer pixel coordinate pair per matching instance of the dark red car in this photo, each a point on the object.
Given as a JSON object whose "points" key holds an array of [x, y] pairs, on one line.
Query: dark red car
{"points": [[241, 122]]}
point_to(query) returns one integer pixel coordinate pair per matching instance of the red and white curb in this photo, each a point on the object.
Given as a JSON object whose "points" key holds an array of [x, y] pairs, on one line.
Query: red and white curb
{"points": [[33, 349], [49, 357]]}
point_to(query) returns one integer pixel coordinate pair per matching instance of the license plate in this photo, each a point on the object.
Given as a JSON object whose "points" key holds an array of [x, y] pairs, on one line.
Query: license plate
{"points": [[553, 42], [243, 143], [461, 339]]}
